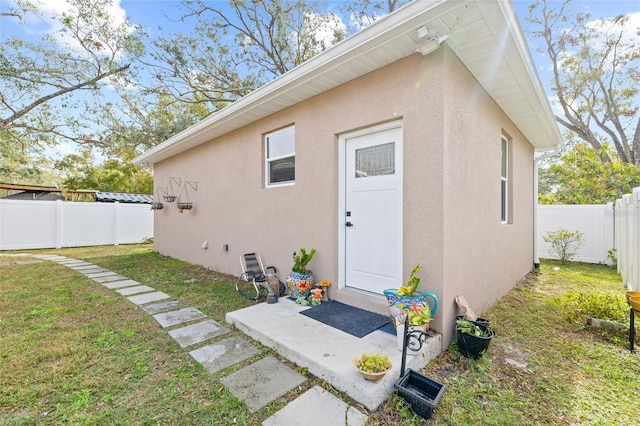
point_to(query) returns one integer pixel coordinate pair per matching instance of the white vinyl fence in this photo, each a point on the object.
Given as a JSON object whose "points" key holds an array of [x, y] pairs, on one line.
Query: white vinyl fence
{"points": [[627, 225], [57, 224], [613, 226], [595, 221]]}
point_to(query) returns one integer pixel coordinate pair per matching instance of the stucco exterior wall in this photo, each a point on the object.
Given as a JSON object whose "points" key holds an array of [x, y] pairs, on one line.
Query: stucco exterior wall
{"points": [[232, 205], [483, 258]]}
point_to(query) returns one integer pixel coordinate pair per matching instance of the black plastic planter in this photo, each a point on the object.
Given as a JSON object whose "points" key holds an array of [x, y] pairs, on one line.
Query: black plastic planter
{"points": [[421, 392], [473, 346], [478, 321]]}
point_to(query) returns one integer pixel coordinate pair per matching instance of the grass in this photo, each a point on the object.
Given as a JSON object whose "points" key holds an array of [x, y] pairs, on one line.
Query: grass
{"points": [[72, 351], [541, 368]]}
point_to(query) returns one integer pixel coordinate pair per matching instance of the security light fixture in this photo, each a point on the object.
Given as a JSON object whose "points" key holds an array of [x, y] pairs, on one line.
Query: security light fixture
{"points": [[429, 39]]}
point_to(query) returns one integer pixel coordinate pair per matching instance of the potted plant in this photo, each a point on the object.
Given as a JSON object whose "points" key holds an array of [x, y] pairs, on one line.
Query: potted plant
{"points": [[473, 337], [372, 366], [407, 299], [420, 320], [300, 279]]}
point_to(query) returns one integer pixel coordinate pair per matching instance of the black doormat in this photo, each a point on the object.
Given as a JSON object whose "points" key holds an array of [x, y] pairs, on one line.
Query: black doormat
{"points": [[349, 319]]}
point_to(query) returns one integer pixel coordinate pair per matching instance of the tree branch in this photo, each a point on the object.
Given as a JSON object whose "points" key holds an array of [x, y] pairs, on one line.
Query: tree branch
{"points": [[5, 123]]}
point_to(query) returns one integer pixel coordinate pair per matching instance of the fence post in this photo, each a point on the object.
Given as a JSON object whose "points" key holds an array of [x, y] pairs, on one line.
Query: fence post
{"points": [[609, 230], [59, 224], [116, 223], [626, 239], [635, 252]]}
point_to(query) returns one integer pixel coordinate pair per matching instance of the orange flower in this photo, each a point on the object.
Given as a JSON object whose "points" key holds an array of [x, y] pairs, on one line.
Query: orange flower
{"points": [[418, 309]]}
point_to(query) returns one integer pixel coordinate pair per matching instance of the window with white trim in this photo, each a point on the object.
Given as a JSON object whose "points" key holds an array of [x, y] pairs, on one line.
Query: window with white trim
{"points": [[280, 157], [504, 181]]}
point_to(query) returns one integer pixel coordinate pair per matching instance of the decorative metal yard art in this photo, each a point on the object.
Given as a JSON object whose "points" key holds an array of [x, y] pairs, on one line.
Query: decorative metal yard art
{"points": [[186, 204]]}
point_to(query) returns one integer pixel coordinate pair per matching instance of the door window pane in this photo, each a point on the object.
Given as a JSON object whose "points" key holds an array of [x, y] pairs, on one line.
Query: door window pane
{"points": [[376, 160]]}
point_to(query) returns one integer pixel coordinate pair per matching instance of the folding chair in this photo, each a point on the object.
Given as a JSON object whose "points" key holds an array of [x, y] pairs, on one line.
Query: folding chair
{"points": [[254, 282]]}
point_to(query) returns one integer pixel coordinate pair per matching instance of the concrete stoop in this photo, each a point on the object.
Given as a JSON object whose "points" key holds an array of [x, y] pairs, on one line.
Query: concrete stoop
{"points": [[327, 352]]}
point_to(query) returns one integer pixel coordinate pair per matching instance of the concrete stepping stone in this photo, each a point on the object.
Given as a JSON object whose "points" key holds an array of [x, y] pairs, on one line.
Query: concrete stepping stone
{"points": [[262, 382], [119, 284], [141, 299], [99, 274], [109, 278], [197, 333], [91, 271], [80, 266], [50, 257], [86, 267], [317, 407], [156, 308], [224, 353], [135, 290], [72, 262], [168, 319]]}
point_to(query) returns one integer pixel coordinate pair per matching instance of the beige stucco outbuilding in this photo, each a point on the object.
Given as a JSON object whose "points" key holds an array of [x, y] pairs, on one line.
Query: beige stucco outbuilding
{"points": [[411, 142]]}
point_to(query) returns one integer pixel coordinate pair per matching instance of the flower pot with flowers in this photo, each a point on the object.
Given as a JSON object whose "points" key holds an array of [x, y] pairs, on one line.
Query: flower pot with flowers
{"points": [[407, 300], [300, 280]]}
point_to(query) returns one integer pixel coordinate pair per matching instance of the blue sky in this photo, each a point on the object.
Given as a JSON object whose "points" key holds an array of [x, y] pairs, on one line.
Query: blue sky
{"points": [[152, 14]]}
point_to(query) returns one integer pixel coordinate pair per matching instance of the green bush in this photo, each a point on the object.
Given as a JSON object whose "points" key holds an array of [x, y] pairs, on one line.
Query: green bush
{"points": [[564, 243], [579, 305]]}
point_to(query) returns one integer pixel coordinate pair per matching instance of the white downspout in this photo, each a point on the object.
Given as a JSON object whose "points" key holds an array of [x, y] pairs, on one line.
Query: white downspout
{"points": [[536, 161]]}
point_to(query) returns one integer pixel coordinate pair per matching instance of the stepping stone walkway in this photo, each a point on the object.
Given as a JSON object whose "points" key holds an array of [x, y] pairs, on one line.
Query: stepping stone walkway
{"points": [[263, 381], [257, 384]]}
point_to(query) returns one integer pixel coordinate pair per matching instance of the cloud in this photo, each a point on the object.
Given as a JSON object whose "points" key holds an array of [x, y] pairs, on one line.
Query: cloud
{"points": [[608, 25], [60, 150], [325, 28], [47, 21]]}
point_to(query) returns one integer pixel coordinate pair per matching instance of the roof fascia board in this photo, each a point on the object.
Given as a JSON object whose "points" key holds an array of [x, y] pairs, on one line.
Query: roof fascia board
{"points": [[523, 68]]}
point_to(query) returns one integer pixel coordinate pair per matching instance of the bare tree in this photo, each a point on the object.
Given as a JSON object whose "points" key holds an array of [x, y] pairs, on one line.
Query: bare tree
{"points": [[237, 48], [240, 45], [38, 81], [595, 76]]}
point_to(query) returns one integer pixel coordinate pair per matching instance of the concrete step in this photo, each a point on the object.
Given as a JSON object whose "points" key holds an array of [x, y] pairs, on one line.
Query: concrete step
{"points": [[327, 352]]}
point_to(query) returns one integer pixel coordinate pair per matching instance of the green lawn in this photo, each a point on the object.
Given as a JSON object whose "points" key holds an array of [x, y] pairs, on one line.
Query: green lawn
{"points": [[541, 368], [72, 351]]}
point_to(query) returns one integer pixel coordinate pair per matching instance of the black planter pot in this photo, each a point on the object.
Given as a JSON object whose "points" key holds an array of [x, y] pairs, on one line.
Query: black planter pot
{"points": [[479, 321], [473, 346]]}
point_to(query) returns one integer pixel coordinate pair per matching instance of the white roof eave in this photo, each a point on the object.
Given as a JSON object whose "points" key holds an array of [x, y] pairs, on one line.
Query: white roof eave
{"points": [[388, 40]]}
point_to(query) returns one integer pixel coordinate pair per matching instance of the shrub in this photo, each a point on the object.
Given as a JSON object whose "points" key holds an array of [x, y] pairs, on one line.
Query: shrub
{"points": [[611, 255], [579, 305], [564, 243]]}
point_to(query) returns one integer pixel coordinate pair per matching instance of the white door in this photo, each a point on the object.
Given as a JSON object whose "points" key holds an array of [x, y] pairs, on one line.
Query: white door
{"points": [[373, 210]]}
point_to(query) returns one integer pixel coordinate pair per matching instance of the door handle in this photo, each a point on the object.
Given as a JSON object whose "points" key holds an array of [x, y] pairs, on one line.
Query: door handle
{"points": [[348, 224]]}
